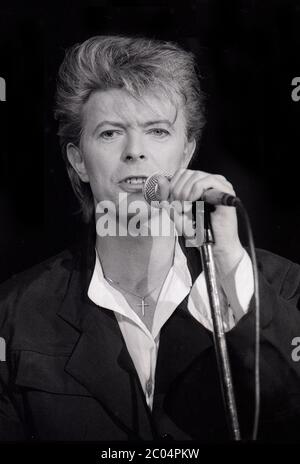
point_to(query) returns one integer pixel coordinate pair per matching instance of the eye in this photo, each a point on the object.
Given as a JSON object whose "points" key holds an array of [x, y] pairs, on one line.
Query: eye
{"points": [[158, 132], [109, 134]]}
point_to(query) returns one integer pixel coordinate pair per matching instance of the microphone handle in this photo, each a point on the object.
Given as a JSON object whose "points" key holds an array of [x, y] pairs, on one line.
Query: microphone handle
{"points": [[215, 197]]}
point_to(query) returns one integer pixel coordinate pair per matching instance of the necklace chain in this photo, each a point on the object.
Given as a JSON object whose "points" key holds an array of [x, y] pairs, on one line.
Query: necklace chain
{"points": [[142, 304]]}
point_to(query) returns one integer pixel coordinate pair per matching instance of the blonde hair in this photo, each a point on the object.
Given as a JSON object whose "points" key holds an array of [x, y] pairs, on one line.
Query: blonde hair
{"points": [[136, 65]]}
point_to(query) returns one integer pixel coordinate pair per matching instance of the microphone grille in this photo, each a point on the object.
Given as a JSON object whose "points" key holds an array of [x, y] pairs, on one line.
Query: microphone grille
{"points": [[151, 189]]}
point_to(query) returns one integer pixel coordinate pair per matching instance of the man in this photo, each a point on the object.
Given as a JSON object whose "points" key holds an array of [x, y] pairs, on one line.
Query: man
{"points": [[113, 340]]}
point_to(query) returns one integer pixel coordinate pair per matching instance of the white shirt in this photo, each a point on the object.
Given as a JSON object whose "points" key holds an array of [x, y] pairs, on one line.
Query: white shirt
{"points": [[142, 344]]}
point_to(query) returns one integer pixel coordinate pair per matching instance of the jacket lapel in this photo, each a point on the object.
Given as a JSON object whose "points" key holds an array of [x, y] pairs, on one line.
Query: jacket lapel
{"points": [[100, 360], [101, 363]]}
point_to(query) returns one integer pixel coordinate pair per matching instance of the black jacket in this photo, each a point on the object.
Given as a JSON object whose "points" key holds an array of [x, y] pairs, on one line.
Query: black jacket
{"points": [[68, 375]]}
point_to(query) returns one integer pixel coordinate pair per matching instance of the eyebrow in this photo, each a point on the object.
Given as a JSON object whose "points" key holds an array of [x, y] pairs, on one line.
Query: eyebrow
{"points": [[123, 126], [158, 121]]}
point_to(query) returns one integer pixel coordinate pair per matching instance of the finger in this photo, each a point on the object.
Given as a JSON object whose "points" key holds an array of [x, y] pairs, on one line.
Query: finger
{"points": [[181, 182], [224, 180], [163, 188], [164, 204], [178, 181], [187, 186], [199, 186]]}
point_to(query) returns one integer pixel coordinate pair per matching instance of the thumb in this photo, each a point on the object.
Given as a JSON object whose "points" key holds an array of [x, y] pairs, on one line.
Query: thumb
{"points": [[163, 188]]}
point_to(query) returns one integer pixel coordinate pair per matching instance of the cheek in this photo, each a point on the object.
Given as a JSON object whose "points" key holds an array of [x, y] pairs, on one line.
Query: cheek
{"points": [[174, 155], [97, 162]]}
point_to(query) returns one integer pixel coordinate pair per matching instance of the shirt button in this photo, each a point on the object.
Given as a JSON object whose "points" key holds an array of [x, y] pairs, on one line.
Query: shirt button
{"points": [[149, 387]]}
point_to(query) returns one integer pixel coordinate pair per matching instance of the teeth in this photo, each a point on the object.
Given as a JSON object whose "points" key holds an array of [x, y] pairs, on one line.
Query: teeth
{"points": [[136, 180]]}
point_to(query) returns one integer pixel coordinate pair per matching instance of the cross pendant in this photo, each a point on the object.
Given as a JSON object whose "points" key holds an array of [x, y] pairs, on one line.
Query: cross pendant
{"points": [[143, 304]]}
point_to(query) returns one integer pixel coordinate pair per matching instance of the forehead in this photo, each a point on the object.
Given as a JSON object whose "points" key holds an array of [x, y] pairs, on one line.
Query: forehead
{"points": [[119, 105]]}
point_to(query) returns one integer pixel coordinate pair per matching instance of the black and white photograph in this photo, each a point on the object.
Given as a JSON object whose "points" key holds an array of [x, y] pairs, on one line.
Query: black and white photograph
{"points": [[149, 240]]}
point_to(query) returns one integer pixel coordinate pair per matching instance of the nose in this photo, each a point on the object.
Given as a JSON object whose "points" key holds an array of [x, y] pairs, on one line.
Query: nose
{"points": [[132, 157], [134, 150]]}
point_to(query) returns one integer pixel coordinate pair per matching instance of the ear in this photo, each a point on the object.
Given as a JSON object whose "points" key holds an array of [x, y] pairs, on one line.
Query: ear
{"points": [[76, 160], [188, 152]]}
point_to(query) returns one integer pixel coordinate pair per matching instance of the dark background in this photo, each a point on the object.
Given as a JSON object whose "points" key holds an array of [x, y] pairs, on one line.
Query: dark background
{"points": [[248, 54]]}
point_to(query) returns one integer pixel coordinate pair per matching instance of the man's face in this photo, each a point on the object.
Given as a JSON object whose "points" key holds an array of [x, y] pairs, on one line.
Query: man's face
{"points": [[125, 140]]}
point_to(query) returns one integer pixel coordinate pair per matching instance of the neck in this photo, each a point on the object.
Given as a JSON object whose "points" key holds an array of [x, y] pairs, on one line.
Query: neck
{"points": [[137, 263]]}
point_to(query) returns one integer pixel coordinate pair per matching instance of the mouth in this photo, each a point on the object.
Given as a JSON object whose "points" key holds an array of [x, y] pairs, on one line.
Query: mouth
{"points": [[134, 180], [133, 184]]}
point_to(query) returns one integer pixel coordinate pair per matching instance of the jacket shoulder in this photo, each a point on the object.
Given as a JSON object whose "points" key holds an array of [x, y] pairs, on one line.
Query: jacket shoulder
{"points": [[35, 287], [279, 272]]}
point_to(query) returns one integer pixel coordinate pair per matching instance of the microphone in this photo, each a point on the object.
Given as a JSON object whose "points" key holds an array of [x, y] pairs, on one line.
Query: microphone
{"points": [[211, 196]]}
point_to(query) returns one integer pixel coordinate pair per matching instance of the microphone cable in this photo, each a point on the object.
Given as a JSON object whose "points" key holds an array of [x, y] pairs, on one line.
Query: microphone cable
{"points": [[242, 210]]}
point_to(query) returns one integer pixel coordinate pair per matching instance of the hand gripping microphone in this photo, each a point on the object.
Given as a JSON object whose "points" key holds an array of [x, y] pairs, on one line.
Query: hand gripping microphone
{"points": [[211, 196]]}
